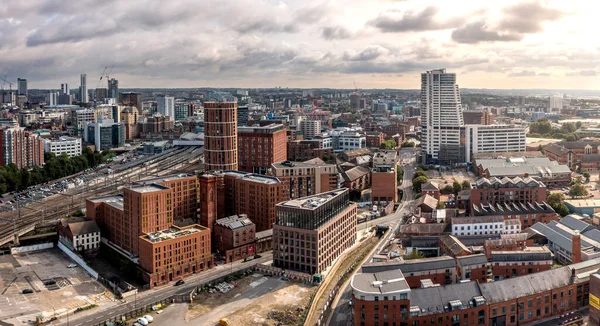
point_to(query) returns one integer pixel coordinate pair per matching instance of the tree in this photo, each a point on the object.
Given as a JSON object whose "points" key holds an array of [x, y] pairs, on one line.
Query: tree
{"points": [[407, 144], [586, 175], [419, 173], [578, 190], [399, 173], [448, 189], [418, 182], [578, 124], [557, 202], [441, 205], [466, 185], [457, 187], [414, 255], [388, 144]]}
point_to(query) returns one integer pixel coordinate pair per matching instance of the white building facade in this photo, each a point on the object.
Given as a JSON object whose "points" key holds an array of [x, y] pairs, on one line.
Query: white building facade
{"points": [[484, 225], [69, 145], [441, 118], [494, 138], [165, 105]]}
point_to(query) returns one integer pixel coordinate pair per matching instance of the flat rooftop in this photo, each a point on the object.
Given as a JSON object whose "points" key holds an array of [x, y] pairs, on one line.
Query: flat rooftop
{"points": [[274, 127], [173, 232], [391, 281], [313, 202], [113, 200], [306, 164], [146, 188], [165, 178]]}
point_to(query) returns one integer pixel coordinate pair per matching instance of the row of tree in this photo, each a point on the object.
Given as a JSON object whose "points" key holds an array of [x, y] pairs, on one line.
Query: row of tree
{"points": [[14, 179], [543, 129]]}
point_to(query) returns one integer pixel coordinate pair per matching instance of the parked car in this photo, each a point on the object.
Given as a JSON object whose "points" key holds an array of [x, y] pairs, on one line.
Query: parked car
{"points": [[180, 282], [149, 318], [49, 282], [27, 291], [142, 321], [72, 265]]}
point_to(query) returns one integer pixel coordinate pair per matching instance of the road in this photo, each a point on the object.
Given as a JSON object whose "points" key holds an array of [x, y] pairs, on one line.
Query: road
{"points": [[97, 315], [342, 313]]}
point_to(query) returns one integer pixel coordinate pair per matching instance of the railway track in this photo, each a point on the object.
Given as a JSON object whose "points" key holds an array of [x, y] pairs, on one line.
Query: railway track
{"points": [[58, 206]]}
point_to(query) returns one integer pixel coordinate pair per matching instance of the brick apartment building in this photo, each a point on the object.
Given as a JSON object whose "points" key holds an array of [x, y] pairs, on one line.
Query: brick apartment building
{"points": [[301, 179], [506, 190], [509, 264], [19, 147], [235, 238], [383, 297], [185, 194], [174, 253], [311, 232], [220, 136], [573, 153], [374, 138], [140, 222], [384, 182], [304, 150], [240, 193], [259, 147], [529, 213]]}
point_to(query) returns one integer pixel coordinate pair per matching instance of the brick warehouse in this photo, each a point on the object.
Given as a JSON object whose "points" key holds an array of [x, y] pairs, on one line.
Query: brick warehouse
{"points": [[384, 298]]}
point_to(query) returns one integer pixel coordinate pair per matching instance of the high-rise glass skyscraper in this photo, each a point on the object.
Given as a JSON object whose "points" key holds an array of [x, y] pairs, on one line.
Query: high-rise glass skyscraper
{"points": [[165, 105], [83, 93], [22, 86], [113, 89], [442, 138]]}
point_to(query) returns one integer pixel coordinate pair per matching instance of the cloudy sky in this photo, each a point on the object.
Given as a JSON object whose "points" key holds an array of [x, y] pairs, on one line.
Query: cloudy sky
{"points": [[301, 43]]}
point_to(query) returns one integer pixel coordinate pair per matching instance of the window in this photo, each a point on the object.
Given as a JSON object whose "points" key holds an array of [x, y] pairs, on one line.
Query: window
{"points": [[522, 305], [529, 314], [521, 316], [530, 303]]}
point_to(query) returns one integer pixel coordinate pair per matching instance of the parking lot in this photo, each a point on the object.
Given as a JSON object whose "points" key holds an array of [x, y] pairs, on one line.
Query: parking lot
{"points": [[56, 288]]}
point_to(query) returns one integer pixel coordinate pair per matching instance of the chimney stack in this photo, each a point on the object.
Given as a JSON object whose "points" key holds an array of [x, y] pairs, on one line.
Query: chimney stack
{"points": [[576, 248]]}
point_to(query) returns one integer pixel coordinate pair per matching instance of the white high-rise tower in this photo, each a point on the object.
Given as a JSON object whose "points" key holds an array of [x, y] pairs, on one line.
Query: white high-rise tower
{"points": [[441, 118]]}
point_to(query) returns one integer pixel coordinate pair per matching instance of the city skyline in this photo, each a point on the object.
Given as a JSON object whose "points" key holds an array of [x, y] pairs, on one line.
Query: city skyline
{"points": [[380, 44]]}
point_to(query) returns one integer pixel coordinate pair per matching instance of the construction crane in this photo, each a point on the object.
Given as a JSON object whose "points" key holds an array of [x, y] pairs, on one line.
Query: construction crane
{"points": [[9, 83], [355, 88], [105, 74]]}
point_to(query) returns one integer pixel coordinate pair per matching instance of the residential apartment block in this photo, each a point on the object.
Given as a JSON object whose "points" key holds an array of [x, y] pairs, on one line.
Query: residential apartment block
{"points": [[301, 179], [259, 147], [311, 232], [19, 147]]}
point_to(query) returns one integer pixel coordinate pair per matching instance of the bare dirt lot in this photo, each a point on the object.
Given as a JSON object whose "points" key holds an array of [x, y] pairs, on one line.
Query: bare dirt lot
{"points": [[72, 287], [256, 300]]}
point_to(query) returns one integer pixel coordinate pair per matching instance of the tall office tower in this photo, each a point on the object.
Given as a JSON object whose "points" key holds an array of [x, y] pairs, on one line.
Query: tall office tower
{"points": [[441, 118], [100, 94], [22, 86], [220, 136], [166, 106], [52, 98], [131, 99], [113, 88], [83, 93], [355, 101], [310, 128], [555, 104], [64, 88]]}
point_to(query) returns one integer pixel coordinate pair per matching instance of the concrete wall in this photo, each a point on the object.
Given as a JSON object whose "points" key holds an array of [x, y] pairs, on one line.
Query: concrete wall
{"points": [[78, 260], [36, 247]]}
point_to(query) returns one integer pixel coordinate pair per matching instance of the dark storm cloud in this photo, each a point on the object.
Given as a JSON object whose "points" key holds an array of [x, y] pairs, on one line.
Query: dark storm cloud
{"points": [[335, 33], [409, 21], [477, 32], [523, 73], [528, 17]]}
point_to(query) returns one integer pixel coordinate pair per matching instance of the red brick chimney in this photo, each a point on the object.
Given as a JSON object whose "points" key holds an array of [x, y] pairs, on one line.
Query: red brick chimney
{"points": [[576, 248]]}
